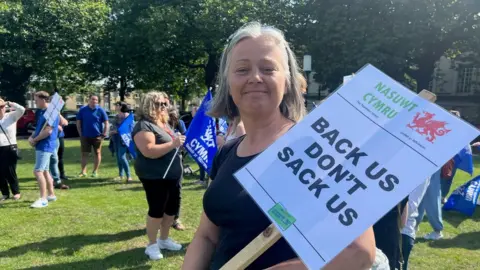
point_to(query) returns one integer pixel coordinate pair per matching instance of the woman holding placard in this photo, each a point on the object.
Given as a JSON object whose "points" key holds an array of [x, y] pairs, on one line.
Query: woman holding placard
{"points": [[258, 83], [159, 168]]}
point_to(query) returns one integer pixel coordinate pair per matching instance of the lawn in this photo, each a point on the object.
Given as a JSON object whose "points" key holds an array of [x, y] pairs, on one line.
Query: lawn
{"points": [[99, 224]]}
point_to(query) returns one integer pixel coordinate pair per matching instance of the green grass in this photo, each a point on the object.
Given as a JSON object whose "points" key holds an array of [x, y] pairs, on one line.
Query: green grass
{"points": [[99, 224]]}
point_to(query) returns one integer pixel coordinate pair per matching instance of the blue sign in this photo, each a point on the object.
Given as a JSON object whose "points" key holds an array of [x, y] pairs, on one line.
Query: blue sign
{"points": [[464, 198], [201, 141], [125, 131]]}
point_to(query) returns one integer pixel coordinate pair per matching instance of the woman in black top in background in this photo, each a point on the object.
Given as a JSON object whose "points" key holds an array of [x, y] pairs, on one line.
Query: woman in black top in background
{"points": [[258, 82]]}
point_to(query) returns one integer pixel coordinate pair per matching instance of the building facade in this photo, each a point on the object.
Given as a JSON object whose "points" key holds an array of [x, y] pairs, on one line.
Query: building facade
{"points": [[457, 88]]}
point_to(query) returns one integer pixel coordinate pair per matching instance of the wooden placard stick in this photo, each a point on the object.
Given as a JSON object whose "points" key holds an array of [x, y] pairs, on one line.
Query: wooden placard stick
{"points": [[271, 234]]}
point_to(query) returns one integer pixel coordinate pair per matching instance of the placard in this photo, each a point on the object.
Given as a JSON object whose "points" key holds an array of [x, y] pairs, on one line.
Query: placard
{"points": [[349, 162]]}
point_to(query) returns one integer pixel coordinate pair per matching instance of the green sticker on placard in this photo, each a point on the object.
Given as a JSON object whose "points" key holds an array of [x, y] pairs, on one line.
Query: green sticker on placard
{"points": [[281, 216]]}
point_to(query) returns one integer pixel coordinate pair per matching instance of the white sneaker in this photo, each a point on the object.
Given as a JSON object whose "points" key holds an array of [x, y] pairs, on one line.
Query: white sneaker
{"points": [[40, 203], [153, 252], [51, 198], [169, 244], [433, 236]]}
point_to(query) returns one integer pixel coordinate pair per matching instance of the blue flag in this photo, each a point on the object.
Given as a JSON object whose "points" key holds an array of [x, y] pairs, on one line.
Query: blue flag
{"points": [[201, 141], [464, 198], [464, 160], [125, 131]]}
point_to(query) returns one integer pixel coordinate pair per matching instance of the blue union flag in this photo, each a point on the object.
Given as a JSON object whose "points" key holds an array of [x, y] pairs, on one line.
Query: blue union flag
{"points": [[201, 141], [125, 132]]}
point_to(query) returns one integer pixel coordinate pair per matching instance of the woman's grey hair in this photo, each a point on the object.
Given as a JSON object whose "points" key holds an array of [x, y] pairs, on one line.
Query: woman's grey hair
{"points": [[292, 105]]}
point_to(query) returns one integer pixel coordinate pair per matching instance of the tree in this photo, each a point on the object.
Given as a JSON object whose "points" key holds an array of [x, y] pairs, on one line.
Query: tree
{"points": [[403, 38], [44, 39], [198, 30], [442, 27]]}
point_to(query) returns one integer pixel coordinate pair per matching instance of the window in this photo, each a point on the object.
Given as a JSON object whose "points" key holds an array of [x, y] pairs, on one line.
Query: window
{"points": [[79, 99], [464, 84]]}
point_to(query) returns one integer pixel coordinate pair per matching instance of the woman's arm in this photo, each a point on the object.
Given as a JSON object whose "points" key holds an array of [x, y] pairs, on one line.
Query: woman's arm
{"points": [[181, 127], [359, 255], [200, 250], [63, 121], [404, 216], [145, 142], [19, 111]]}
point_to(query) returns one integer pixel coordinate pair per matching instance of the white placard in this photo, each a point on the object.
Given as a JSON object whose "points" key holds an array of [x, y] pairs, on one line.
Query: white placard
{"points": [[53, 110], [350, 161], [347, 78]]}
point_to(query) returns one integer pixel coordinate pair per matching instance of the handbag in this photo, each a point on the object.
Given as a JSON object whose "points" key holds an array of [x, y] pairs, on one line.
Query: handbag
{"points": [[13, 148]]}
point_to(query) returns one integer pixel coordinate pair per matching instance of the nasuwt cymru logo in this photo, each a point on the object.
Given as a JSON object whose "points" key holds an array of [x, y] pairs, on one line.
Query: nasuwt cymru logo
{"points": [[425, 125], [208, 137]]}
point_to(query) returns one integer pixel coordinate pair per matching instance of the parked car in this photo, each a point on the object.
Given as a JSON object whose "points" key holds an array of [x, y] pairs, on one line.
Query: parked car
{"points": [[186, 117], [26, 123], [71, 129]]}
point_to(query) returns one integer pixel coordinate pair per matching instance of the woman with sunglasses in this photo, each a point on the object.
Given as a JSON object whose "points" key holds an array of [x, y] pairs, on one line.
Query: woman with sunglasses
{"points": [[159, 167], [8, 147]]}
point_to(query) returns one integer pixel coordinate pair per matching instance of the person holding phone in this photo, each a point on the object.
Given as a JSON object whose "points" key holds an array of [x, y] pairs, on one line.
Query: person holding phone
{"points": [[8, 149]]}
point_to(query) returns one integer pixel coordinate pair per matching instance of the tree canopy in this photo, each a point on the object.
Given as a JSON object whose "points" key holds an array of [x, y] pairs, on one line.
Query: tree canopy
{"points": [[175, 45]]}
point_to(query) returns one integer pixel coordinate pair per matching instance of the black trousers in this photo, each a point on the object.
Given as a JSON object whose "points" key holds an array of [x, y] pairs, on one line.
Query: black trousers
{"points": [[8, 174], [407, 246], [177, 215], [61, 149]]}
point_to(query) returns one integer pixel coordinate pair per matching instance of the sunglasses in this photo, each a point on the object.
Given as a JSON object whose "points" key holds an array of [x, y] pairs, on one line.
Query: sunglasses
{"points": [[161, 104]]}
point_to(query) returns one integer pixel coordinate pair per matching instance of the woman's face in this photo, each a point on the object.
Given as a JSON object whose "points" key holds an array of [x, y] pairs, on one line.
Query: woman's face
{"points": [[117, 108], [162, 105], [256, 76]]}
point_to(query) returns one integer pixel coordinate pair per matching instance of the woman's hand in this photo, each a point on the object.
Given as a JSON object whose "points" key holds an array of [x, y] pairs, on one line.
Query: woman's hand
{"points": [[179, 140]]}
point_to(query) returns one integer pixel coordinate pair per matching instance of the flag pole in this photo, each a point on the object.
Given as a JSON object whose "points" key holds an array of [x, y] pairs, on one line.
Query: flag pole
{"points": [[171, 161]]}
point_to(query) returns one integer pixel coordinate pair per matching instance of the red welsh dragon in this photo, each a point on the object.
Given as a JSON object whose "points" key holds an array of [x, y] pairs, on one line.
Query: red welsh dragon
{"points": [[426, 125]]}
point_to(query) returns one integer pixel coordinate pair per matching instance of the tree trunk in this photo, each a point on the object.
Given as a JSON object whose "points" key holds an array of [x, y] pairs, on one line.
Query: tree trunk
{"points": [[211, 71], [183, 103], [424, 74], [14, 82], [123, 88]]}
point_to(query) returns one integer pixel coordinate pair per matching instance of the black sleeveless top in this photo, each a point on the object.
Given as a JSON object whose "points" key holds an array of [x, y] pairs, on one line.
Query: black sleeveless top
{"points": [[236, 214]]}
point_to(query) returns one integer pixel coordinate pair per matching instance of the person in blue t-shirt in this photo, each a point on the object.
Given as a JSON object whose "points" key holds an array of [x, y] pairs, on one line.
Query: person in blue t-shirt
{"points": [[44, 139], [92, 126]]}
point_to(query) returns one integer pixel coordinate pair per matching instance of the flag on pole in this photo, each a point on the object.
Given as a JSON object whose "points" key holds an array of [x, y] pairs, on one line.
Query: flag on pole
{"points": [[201, 141], [125, 132]]}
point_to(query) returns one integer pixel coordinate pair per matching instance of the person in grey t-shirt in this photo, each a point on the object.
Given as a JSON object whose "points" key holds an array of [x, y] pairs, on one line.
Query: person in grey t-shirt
{"points": [[159, 167]]}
